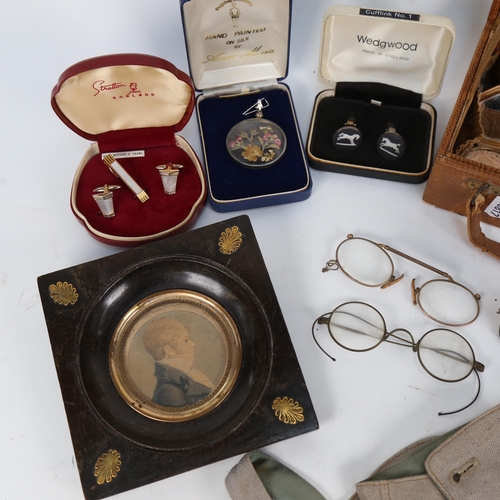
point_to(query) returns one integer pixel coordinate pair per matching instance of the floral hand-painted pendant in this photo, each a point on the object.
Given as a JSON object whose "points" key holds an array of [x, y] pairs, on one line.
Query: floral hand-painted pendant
{"points": [[256, 142]]}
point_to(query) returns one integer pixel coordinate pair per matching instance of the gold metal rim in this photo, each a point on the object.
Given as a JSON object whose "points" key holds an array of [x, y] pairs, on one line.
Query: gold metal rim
{"points": [[220, 348]]}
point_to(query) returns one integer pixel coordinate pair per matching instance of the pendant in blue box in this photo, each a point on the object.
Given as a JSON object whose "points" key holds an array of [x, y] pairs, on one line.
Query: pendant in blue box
{"points": [[256, 142]]}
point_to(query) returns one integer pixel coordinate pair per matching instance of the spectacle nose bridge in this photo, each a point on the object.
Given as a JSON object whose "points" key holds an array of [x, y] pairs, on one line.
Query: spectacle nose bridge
{"points": [[392, 281], [405, 342]]}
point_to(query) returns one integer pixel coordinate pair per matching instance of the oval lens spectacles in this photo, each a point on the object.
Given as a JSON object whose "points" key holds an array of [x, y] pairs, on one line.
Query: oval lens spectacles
{"points": [[444, 354], [369, 264]]}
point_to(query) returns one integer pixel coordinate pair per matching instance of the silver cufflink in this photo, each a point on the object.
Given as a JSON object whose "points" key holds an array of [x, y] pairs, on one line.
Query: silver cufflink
{"points": [[103, 196], [169, 173]]}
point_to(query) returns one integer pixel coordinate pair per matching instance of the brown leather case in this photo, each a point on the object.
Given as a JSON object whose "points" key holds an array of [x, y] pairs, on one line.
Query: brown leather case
{"points": [[465, 177]]}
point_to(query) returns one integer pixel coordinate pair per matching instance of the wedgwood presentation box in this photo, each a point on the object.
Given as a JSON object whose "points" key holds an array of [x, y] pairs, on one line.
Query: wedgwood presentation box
{"points": [[381, 68]]}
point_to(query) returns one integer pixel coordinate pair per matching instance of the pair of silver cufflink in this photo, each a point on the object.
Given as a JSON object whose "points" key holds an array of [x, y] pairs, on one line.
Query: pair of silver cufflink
{"points": [[103, 195], [390, 144]]}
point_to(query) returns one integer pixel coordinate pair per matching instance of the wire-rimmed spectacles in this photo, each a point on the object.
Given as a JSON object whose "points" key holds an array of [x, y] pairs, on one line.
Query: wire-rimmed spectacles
{"points": [[368, 263], [443, 354]]}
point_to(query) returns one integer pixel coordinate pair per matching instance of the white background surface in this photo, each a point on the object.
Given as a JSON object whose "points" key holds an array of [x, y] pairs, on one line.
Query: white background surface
{"points": [[369, 405]]}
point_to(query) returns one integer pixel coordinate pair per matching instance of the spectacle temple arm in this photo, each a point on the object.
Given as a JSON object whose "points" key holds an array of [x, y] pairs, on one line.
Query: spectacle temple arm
{"points": [[476, 367], [322, 320], [416, 261], [442, 413]]}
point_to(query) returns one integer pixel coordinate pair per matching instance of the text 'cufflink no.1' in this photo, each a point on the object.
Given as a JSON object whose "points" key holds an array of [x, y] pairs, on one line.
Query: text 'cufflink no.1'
{"points": [[390, 144], [169, 174], [103, 196], [348, 137], [256, 142], [122, 174]]}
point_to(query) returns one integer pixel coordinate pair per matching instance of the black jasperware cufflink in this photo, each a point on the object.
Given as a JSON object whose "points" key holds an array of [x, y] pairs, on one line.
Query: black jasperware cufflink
{"points": [[390, 144], [348, 137]]}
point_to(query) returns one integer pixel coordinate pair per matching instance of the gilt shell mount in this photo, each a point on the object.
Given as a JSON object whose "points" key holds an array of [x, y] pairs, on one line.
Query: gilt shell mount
{"points": [[288, 410], [230, 240], [63, 293], [107, 467]]}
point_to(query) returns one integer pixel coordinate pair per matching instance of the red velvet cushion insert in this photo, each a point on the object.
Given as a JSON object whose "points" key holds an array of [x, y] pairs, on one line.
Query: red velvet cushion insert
{"points": [[133, 218]]}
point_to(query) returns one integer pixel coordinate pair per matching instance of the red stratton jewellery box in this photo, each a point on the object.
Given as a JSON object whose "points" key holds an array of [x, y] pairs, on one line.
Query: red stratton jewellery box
{"points": [[238, 57], [131, 106]]}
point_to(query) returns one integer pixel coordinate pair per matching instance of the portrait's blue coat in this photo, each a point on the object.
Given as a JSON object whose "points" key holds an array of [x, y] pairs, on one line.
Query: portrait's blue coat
{"points": [[176, 388]]}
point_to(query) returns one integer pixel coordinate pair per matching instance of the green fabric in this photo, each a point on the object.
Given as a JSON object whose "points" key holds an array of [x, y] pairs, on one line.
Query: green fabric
{"points": [[280, 482], [412, 463]]}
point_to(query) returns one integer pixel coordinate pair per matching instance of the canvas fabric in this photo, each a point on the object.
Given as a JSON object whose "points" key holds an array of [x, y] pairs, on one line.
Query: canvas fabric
{"points": [[461, 464], [260, 477]]}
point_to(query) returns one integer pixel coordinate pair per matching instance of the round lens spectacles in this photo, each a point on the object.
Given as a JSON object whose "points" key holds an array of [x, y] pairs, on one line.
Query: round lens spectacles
{"points": [[369, 264], [443, 354]]}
